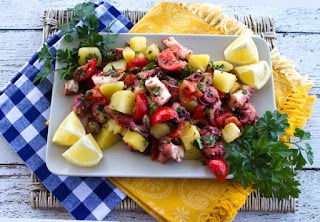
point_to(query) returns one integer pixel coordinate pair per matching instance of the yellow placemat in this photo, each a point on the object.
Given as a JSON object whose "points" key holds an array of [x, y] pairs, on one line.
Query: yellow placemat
{"points": [[206, 199]]}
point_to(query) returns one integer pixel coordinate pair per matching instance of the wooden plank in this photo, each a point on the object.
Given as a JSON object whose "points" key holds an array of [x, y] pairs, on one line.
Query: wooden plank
{"points": [[14, 192], [286, 20]]}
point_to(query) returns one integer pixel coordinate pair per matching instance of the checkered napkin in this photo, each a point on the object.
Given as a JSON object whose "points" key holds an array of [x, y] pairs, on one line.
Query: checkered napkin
{"points": [[25, 108]]}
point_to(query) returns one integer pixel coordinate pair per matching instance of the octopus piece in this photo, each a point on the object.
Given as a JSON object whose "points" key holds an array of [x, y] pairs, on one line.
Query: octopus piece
{"points": [[210, 70], [170, 150], [95, 96], [158, 91], [129, 147], [80, 106], [113, 55], [123, 119], [210, 96], [145, 132], [203, 121], [98, 113], [240, 97], [173, 90], [196, 77], [144, 74], [209, 134], [248, 114], [183, 114], [71, 87], [107, 77], [207, 78], [214, 111], [173, 45], [162, 157], [137, 88], [215, 152], [183, 64]]}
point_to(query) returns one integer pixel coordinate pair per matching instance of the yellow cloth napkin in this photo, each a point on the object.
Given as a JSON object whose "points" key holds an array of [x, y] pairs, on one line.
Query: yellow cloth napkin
{"points": [[206, 199]]}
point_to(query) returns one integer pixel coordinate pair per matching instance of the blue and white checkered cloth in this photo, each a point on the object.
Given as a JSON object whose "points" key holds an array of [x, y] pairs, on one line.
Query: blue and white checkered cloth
{"points": [[25, 108]]}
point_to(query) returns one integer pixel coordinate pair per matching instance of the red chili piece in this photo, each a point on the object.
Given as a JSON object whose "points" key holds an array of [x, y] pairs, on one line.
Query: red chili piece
{"points": [[85, 71], [136, 62], [219, 168], [141, 107], [163, 114], [177, 132]]}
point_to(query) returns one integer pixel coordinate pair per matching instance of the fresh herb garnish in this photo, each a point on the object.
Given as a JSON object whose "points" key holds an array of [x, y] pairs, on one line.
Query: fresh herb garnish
{"points": [[185, 73], [153, 58], [217, 66], [209, 139], [152, 104], [219, 174], [198, 143], [91, 56], [130, 88], [202, 88], [192, 68], [155, 91], [179, 109], [259, 158], [100, 108], [149, 66], [244, 91], [150, 51]]}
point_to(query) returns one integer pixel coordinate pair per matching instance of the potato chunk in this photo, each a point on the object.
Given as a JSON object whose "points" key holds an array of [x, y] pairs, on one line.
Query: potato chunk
{"points": [[128, 54], [110, 88], [120, 65], [88, 52], [235, 87], [230, 132], [139, 55], [223, 81], [107, 138], [136, 140], [189, 135], [199, 61], [112, 126], [223, 66], [159, 130], [138, 44], [152, 51], [123, 101]]}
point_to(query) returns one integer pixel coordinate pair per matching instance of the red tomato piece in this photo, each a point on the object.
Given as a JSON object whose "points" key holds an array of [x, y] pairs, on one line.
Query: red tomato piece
{"points": [[187, 98], [177, 132], [163, 114], [155, 148], [168, 61], [96, 96], [199, 112], [141, 107], [220, 94], [136, 62], [85, 71], [129, 81], [220, 120], [219, 168], [234, 120], [187, 87], [198, 93]]}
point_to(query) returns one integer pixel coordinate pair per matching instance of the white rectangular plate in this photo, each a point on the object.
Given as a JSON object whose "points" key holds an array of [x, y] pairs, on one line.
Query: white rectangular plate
{"points": [[118, 161]]}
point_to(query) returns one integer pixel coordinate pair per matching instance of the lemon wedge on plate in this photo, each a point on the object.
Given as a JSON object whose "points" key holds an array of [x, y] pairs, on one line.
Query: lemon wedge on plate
{"points": [[69, 132], [85, 152], [256, 75], [242, 51]]}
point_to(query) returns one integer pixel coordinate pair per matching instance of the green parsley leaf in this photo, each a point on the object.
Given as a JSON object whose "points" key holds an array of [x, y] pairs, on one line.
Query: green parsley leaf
{"points": [[179, 109], [198, 143], [192, 68], [209, 139], [149, 66], [155, 91], [185, 73]]}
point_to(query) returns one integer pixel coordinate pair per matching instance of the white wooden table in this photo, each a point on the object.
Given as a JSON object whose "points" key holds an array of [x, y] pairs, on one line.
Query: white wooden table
{"points": [[298, 32]]}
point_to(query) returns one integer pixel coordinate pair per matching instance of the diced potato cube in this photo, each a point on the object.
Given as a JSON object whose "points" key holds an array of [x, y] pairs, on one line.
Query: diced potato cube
{"points": [[136, 140], [112, 126], [223, 66], [123, 101], [89, 52], [230, 132], [107, 138], [191, 106], [152, 51], [138, 44], [193, 154], [235, 87], [110, 88], [119, 65], [189, 135], [223, 81], [139, 55], [159, 130], [199, 61], [128, 54]]}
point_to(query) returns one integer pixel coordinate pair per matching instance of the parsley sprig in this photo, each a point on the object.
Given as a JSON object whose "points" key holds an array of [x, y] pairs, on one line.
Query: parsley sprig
{"points": [[259, 158]]}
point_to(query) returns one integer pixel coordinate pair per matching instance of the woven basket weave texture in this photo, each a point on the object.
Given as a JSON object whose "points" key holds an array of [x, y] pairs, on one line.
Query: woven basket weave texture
{"points": [[260, 25]]}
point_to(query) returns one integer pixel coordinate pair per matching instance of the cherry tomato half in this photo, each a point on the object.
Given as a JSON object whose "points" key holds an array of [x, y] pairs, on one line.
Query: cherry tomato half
{"points": [[129, 81], [187, 87], [219, 168], [136, 62], [85, 71], [163, 114], [177, 132], [168, 61], [199, 112], [141, 107]]}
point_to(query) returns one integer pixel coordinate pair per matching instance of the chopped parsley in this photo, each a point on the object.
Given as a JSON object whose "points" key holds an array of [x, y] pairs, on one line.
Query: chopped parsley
{"points": [[179, 109], [91, 56], [202, 88], [149, 66], [155, 91], [152, 104], [198, 143], [244, 91], [150, 51], [185, 73], [192, 68], [209, 139]]}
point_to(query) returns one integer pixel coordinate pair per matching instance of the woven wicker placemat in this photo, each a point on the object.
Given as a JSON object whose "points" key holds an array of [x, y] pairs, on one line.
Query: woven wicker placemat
{"points": [[260, 25]]}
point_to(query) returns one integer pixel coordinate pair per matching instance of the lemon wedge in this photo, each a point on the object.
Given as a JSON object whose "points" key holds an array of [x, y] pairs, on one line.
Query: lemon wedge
{"points": [[256, 75], [85, 152], [242, 51], [70, 131]]}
